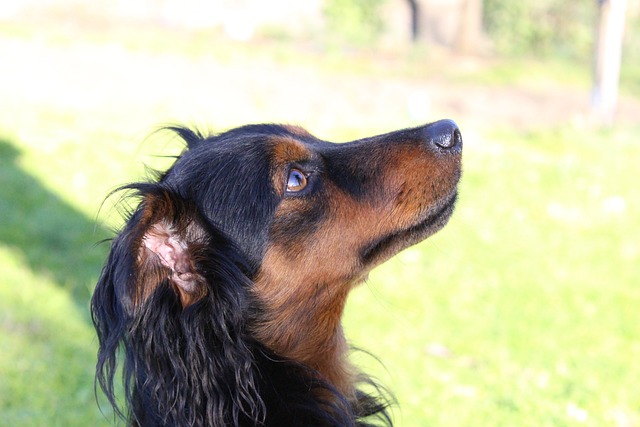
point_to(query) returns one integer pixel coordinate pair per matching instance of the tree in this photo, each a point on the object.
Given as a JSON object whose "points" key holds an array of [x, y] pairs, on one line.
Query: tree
{"points": [[608, 56], [469, 27], [415, 20], [456, 24]]}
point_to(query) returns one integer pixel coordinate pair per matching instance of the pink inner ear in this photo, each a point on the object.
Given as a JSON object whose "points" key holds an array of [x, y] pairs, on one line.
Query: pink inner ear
{"points": [[173, 253]]}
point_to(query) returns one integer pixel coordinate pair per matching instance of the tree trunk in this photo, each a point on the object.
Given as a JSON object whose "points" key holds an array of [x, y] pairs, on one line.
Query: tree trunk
{"points": [[415, 20], [470, 27], [608, 56]]}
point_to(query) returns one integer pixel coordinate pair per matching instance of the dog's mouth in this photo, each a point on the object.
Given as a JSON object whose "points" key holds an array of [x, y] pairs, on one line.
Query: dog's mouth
{"points": [[390, 244]]}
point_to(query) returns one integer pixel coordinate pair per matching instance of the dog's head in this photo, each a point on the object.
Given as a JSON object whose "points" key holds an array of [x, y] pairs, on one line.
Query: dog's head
{"points": [[302, 211], [297, 219]]}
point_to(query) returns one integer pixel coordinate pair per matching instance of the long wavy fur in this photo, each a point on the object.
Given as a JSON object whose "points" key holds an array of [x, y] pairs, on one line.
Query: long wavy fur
{"points": [[198, 366]]}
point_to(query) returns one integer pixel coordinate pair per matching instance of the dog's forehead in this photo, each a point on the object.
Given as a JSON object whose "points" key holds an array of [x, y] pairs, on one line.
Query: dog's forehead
{"points": [[280, 141], [287, 149], [254, 154]]}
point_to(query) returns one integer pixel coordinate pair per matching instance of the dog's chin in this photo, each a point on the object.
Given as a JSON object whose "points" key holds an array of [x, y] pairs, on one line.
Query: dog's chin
{"points": [[389, 245]]}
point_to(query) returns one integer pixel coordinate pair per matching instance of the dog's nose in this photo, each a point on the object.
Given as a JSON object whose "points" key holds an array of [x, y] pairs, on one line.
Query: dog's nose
{"points": [[444, 134]]}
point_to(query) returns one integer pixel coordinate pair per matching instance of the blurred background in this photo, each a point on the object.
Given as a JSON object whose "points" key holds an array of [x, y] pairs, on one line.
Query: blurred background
{"points": [[523, 311]]}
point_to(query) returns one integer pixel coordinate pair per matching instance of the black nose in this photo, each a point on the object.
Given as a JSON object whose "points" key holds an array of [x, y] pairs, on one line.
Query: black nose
{"points": [[444, 134]]}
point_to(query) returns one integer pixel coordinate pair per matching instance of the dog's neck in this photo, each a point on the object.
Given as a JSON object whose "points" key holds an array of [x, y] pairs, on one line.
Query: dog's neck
{"points": [[305, 327]]}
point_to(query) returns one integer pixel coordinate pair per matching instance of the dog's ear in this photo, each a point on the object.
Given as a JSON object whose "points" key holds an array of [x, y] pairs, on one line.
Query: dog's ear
{"points": [[173, 296], [170, 241], [158, 253]]}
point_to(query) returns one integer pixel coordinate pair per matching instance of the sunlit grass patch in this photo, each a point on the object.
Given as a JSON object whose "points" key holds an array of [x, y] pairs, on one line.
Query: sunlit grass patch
{"points": [[523, 310]]}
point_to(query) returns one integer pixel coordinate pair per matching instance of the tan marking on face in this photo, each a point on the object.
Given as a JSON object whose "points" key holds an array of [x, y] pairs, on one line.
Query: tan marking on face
{"points": [[416, 180], [284, 151], [303, 285], [304, 290]]}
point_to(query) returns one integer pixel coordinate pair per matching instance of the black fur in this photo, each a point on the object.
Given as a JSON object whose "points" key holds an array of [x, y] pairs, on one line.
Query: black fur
{"points": [[189, 357]]}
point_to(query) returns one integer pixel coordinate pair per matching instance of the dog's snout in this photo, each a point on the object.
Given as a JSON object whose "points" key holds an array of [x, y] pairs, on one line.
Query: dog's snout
{"points": [[443, 134]]}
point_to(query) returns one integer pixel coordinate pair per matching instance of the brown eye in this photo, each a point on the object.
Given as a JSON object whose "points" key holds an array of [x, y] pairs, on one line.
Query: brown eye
{"points": [[296, 181]]}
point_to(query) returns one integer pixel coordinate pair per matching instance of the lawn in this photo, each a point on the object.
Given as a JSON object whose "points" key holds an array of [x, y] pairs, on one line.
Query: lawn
{"points": [[522, 312]]}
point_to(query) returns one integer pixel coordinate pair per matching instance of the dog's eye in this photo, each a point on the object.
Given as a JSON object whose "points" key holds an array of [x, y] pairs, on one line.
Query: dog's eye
{"points": [[296, 181]]}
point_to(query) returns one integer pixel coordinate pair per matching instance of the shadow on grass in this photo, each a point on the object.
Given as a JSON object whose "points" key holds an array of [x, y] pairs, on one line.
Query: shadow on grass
{"points": [[53, 238]]}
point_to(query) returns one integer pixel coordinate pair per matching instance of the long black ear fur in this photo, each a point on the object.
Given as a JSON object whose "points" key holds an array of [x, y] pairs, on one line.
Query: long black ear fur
{"points": [[176, 355]]}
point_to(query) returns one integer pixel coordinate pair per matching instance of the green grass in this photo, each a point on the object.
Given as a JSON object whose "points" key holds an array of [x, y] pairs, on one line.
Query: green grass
{"points": [[523, 311]]}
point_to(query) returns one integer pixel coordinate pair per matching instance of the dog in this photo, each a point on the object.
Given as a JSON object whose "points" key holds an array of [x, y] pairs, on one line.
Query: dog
{"points": [[222, 295]]}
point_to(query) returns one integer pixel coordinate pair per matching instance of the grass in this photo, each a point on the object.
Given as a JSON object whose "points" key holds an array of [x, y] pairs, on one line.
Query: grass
{"points": [[522, 312]]}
